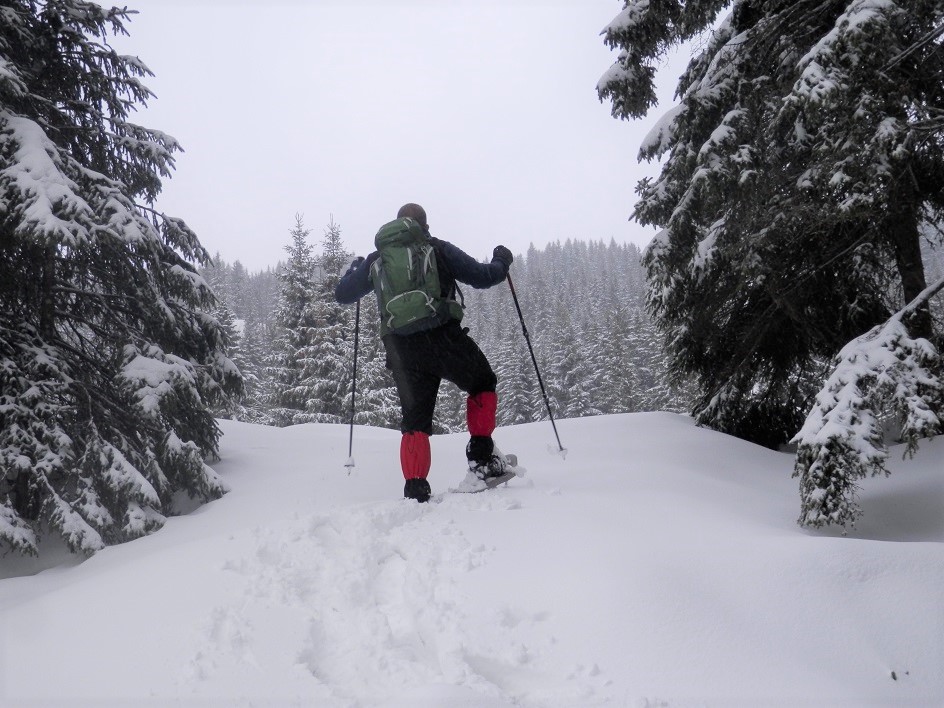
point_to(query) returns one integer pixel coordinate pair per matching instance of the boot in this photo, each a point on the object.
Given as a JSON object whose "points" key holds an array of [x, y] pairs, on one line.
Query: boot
{"points": [[418, 489], [484, 459]]}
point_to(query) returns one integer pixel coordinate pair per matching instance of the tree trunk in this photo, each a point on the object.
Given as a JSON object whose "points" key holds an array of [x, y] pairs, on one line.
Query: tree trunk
{"points": [[906, 239]]}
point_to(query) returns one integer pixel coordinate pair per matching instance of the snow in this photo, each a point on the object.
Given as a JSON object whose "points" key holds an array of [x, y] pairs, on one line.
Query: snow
{"points": [[659, 140], [856, 18], [724, 134], [632, 15], [34, 172], [815, 82], [152, 377], [706, 247], [659, 564]]}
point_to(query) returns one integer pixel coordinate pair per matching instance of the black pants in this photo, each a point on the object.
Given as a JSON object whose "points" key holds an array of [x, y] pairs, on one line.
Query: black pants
{"points": [[421, 361]]}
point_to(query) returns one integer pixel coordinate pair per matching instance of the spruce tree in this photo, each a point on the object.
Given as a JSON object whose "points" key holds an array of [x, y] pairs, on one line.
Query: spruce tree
{"points": [[230, 407], [800, 165], [377, 402], [516, 385], [108, 358], [619, 388], [296, 292], [327, 355]]}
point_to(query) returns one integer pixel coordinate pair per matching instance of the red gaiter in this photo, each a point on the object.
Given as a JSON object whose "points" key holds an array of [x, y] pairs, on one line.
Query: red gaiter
{"points": [[415, 456], [480, 413]]}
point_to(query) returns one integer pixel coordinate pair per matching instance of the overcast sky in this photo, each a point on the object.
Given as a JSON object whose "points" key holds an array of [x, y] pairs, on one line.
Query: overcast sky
{"points": [[483, 111]]}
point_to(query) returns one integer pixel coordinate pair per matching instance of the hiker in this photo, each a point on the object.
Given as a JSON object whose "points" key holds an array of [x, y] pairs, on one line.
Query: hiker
{"points": [[424, 340]]}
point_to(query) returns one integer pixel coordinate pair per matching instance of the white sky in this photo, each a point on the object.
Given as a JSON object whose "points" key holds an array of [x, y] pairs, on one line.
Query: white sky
{"points": [[485, 112]]}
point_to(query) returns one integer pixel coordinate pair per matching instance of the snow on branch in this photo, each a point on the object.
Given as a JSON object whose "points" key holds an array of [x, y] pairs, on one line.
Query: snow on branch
{"points": [[123, 476], [45, 200], [884, 370], [76, 531], [660, 139], [630, 17], [817, 83], [15, 532], [10, 80], [154, 376]]}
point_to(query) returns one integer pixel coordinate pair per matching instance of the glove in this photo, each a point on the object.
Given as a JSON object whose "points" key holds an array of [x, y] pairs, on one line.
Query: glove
{"points": [[355, 264], [503, 255]]}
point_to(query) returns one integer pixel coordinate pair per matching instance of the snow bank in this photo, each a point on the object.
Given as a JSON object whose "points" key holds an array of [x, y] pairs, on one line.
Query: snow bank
{"points": [[659, 564]]}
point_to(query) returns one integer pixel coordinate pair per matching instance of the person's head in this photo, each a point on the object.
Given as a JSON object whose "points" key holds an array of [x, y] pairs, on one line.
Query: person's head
{"points": [[414, 211]]}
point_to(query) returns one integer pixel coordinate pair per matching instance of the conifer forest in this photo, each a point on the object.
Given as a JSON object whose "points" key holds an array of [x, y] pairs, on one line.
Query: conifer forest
{"points": [[583, 304]]}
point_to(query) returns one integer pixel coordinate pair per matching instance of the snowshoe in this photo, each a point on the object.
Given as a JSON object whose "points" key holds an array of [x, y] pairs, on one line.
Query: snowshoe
{"points": [[498, 470]]}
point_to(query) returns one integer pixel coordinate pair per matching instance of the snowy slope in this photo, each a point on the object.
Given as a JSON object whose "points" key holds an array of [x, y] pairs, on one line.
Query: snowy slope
{"points": [[658, 565]]}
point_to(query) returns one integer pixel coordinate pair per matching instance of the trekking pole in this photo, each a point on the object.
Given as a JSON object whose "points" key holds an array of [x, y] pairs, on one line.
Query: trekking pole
{"points": [[350, 441], [561, 450]]}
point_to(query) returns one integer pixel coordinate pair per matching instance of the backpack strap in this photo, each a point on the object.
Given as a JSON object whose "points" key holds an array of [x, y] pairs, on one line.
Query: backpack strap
{"points": [[450, 286]]}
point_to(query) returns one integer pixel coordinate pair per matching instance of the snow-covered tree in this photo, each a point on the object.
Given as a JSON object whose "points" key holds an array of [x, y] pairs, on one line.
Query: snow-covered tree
{"points": [[230, 407], [377, 402], [799, 169], [251, 355], [296, 293], [618, 389], [335, 258], [108, 358], [313, 354], [245, 306], [566, 374], [516, 385], [327, 355]]}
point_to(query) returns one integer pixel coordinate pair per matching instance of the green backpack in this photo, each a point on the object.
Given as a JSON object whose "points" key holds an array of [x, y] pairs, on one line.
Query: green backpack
{"points": [[406, 280]]}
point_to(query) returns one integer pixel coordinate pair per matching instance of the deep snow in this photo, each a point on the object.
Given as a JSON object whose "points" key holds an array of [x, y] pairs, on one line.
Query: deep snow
{"points": [[658, 565]]}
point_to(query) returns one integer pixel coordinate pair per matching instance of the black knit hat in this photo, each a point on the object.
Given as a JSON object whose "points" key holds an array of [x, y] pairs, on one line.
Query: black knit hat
{"points": [[413, 211]]}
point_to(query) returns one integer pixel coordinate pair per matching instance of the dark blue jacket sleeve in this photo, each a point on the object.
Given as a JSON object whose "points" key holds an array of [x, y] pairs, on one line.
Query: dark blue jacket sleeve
{"points": [[355, 284], [466, 269]]}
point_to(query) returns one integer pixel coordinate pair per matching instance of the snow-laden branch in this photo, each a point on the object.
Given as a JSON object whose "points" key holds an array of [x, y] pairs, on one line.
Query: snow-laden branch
{"points": [[842, 441]]}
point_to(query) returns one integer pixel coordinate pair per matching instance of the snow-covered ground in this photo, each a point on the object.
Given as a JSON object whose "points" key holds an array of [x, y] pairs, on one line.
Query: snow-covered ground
{"points": [[658, 565]]}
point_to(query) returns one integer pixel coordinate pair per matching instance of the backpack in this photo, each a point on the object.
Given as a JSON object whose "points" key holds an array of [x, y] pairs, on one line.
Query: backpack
{"points": [[406, 277]]}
